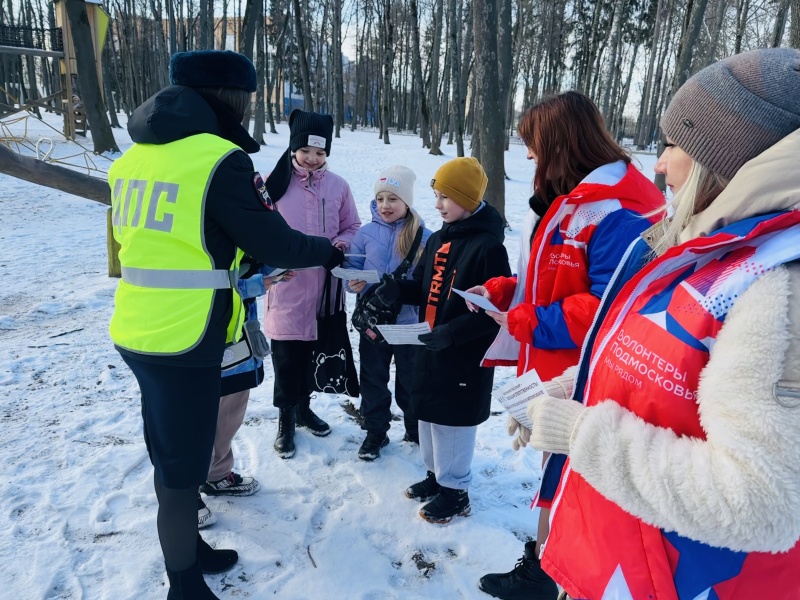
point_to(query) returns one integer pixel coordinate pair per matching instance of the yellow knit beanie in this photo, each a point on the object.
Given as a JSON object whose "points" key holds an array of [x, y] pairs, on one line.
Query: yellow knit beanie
{"points": [[463, 180]]}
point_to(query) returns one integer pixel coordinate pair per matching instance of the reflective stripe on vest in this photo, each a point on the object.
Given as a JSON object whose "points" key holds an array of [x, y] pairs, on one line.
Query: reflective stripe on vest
{"points": [[216, 279], [163, 303]]}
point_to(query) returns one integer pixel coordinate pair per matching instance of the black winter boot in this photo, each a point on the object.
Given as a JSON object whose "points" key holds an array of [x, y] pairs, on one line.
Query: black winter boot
{"points": [[284, 443], [306, 418], [447, 504], [188, 585], [424, 490], [527, 581], [213, 561], [371, 448]]}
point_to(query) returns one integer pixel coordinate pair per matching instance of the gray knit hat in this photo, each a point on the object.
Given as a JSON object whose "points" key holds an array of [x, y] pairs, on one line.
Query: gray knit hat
{"points": [[733, 110]]}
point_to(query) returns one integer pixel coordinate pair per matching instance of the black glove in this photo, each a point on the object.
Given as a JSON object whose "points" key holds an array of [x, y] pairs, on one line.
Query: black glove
{"points": [[438, 339], [388, 291], [336, 259]]}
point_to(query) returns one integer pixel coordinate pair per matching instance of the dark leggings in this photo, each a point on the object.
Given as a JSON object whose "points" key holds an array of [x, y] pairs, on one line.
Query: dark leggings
{"points": [[179, 410], [291, 360], [177, 525]]}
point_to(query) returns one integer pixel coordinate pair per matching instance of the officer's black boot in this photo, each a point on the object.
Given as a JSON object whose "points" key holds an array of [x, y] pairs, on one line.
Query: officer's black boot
{"points": [[284, 444], [306, 418], [213, 561], [527, 581], [188, 585]]}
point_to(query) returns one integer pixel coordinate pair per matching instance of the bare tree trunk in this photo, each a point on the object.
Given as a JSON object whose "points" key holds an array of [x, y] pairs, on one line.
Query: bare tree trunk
{"points": [[504, 60], [388, 60], [719, 22], [780, 23], [444, 101], [302, 56], [616, 34], [794, 29], [92, 96], [691, 34], [436, 136], [338, 79], [742, 10], [489, 120], [592, 50], [467, 59], [270, 83], [107, 78], [624, 96], [359, 70], [423, 103], [259, 116], [205, 32], [252, 14], [648, 80], [318, 92], [173, 33], [456, 111]]}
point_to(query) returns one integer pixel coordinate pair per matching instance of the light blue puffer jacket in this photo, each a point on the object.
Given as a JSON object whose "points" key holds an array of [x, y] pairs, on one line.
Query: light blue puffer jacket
{"points": [[378, 240]]}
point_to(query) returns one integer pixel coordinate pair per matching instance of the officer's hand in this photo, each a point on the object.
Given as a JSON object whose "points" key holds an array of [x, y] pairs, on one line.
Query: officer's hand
{"points": [[388, 290], [438, 339], [336, 259]]}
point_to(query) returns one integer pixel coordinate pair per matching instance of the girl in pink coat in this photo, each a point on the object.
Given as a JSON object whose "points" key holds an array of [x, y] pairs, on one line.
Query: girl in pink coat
{"points": [[315, 201]]}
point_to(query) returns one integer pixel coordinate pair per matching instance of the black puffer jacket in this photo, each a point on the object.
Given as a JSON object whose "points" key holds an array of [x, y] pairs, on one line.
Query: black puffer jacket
{"points": [[236, 215], [450, 386]]}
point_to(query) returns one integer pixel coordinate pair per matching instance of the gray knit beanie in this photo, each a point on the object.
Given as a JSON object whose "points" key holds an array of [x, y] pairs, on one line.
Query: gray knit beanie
{"points": [[733, 110]]}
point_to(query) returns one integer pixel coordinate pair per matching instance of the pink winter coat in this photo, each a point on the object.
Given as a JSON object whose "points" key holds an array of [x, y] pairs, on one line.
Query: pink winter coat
{"points": [[316, 203]]}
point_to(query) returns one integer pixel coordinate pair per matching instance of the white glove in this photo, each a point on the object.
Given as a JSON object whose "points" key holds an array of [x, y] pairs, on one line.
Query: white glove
{"points": [[522, 435], [561, 386], [555, 422]]}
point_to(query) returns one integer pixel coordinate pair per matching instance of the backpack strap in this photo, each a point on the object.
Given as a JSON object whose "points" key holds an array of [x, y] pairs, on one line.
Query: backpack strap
{"points": [[402, 269]]}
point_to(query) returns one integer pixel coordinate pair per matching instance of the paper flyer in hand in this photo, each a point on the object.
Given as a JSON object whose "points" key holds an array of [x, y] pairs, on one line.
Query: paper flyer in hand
{"points": [[516, 395], [280, 270], [369, 275], [276, 272], [404, 334], [477, 300]]}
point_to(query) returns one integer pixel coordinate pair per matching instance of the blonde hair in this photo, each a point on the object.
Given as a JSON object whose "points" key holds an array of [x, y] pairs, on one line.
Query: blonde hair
{"points": [[407, 234], [701, 188]]}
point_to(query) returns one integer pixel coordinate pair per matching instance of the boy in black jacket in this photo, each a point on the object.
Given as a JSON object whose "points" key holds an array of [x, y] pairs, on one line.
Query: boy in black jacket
{"points": [[452, 392]]}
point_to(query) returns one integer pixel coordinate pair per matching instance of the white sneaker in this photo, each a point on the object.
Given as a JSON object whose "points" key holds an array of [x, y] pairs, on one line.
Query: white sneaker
{"points": [[205, 518]]}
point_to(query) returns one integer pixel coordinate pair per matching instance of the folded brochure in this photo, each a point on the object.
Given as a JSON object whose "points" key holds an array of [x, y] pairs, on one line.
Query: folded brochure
{"points": [[515, 395]]}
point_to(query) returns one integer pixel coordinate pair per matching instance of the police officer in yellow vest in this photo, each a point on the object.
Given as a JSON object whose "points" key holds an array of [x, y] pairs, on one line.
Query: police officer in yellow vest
{"points": [[186, 204]]}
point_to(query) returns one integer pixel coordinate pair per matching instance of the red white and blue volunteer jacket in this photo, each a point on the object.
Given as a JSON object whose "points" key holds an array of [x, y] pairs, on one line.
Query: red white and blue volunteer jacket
{"points": [[647, 355], [574, 253]]}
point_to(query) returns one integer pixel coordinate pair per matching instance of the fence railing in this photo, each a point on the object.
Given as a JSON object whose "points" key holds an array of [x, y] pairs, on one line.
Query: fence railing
{"points": [[32, 37]]}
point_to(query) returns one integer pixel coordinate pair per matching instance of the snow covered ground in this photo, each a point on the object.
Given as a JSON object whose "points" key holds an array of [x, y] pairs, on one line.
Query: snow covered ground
{"points": [[77, 507]]}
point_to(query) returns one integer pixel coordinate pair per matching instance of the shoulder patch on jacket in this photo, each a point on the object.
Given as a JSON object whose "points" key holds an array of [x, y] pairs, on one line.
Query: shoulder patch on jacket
{"points": [[261, 190]]}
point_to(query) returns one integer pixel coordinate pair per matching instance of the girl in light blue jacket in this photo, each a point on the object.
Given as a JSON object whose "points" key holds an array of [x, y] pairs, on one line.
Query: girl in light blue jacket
{"points": [[384, 243]]}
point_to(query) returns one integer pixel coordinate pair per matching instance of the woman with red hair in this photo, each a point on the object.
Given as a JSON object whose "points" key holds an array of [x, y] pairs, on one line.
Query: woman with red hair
{"points": [[589, 202]]}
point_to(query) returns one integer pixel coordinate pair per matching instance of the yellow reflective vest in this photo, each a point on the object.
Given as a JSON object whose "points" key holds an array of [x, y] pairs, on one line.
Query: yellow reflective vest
{"points": [[158, 192]]}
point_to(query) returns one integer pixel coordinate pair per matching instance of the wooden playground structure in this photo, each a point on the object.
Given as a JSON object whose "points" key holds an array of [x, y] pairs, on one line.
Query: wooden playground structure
{"points": [[56, 43]]}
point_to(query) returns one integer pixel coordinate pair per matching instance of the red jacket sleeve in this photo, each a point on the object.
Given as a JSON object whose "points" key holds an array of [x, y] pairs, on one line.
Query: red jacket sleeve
{"points": [[501, 291], [522, 321]]}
